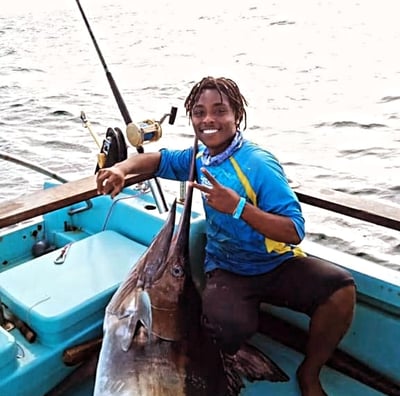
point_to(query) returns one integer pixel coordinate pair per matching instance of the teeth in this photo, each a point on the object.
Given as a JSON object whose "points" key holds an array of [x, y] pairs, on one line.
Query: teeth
{"points": [[208, 131]]}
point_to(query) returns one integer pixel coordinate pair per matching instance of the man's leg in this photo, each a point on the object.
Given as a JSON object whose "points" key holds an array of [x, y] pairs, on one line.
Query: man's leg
{"points": [[326, 293], [230, 311], [328, 324]]}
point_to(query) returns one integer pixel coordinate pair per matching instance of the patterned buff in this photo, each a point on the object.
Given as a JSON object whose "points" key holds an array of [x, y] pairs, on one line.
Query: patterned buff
{"points": [[237, 142]]}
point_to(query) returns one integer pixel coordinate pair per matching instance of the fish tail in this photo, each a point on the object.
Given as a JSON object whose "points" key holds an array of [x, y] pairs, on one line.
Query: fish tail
{"points": [[254, 365]]}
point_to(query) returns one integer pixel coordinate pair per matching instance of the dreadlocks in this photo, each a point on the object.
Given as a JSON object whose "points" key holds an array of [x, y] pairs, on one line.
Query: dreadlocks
{"points": [[223, 86]]}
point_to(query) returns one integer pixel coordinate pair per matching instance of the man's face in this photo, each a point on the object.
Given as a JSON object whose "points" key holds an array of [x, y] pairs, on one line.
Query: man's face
{"points": [[214, 121]]}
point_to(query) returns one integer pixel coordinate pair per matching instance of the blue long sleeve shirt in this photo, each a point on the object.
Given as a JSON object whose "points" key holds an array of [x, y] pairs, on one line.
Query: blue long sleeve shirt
{"points": [[255, 174]]}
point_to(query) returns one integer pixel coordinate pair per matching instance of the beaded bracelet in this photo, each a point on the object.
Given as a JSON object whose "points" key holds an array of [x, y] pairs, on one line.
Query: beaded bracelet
{"points": [[239, 208]]}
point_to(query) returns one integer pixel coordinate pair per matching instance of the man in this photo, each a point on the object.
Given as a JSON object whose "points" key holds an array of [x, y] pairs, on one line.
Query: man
{"points": [[254, 224]]}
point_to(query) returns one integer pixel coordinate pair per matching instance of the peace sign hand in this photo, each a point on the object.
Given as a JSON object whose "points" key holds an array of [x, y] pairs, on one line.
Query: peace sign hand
{"points": [[217, 196]]}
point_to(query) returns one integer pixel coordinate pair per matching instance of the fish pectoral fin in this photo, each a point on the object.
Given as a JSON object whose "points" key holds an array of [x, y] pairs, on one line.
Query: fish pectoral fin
{"points": [[141, 313], [144, 309], [254, 365]]}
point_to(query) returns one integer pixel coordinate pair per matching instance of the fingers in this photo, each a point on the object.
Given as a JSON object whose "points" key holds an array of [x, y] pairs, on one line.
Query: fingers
{"points": [[109, 182], [207, 197], [201, 187], [216, 195], [108, 188], [210, 177], [100, 181], [206, 189]]}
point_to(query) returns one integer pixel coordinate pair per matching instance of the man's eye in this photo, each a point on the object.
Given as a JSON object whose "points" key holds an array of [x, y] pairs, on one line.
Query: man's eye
{"points": [[197, 113]]}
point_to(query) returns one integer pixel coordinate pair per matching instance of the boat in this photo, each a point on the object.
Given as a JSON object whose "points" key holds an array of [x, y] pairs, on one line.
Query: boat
{"points": [[64, 250]]}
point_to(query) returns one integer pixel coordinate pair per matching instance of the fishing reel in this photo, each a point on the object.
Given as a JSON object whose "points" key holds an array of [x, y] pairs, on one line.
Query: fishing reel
{"points": [[114, 149], [149, 130]]}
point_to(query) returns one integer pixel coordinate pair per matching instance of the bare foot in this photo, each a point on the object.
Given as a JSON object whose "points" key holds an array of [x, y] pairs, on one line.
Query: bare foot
{"points": [[309, 383]]}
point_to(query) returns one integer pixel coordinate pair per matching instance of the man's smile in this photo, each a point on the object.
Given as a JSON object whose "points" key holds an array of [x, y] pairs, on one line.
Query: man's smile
{"points": [[209, 131]]}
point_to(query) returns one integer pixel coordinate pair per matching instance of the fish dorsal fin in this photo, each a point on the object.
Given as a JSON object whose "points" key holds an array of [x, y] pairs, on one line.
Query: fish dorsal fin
{"points": [[140, 313]]}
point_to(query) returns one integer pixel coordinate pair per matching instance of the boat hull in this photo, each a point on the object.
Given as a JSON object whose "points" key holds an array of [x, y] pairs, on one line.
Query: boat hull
{"points": [[64, 303]]}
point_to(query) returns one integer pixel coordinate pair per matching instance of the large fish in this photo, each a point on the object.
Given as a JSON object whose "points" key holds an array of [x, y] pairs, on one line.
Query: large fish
{"points": [[154, 344]]}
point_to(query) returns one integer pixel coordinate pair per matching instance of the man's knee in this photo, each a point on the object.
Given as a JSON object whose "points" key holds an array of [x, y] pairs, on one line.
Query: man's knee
{"points": [[344, 300], [229, 329]]}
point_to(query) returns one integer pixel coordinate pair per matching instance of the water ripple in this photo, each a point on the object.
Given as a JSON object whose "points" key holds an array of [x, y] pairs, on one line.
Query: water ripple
{"points": [[353, 124], [329, 113], [380, 152], [387, 99]]}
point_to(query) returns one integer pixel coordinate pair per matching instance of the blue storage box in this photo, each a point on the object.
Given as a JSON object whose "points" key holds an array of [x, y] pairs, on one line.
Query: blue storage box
{"points": [[59, 300]]}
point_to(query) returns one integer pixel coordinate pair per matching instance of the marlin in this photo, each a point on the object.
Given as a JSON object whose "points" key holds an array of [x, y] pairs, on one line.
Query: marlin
{"points": [[154, 344], [153, 341]]}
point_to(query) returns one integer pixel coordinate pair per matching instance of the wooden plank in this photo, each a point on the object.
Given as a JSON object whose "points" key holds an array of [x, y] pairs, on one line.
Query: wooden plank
{"points": [[376, 212], [43, 201], [40, 202]]}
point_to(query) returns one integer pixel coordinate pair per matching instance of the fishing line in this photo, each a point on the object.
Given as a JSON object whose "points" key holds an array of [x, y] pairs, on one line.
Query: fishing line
{"points": [[115, 201]]}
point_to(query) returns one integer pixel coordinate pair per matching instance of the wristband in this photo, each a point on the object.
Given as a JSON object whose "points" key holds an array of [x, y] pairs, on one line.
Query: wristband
{"points": [[239, 208]]}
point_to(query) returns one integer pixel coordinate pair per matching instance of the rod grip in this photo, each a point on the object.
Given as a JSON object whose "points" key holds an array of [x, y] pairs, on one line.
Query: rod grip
{"points": [[79, 353], [25, 330], [172, 115]]}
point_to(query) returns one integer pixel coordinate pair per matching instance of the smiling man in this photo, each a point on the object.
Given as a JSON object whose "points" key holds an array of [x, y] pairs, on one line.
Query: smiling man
{"points": [[254, 224]]}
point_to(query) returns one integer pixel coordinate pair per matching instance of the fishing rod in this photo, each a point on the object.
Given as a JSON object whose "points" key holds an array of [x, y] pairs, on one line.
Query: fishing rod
{"points": [[31, 165], [117, 95], [44, 171], [148, 130]]}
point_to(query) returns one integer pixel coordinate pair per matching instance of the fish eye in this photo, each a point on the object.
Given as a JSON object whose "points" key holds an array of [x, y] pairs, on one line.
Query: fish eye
{"points": [[177, 271]]}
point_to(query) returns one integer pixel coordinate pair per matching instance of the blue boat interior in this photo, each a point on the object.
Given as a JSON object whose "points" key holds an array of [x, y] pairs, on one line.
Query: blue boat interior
{"points": [[64, 303]]}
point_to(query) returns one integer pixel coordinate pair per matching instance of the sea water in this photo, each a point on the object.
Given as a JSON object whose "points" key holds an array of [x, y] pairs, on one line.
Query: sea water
{"points": [[322, 80]]}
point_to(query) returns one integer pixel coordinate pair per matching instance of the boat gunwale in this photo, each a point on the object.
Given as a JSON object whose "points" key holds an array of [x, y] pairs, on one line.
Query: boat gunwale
{"points": [[40, 202]]}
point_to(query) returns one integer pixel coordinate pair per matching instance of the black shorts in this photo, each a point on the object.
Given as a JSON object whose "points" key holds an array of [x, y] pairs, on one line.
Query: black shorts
{"points": [[300, 283], [231, 302]]}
